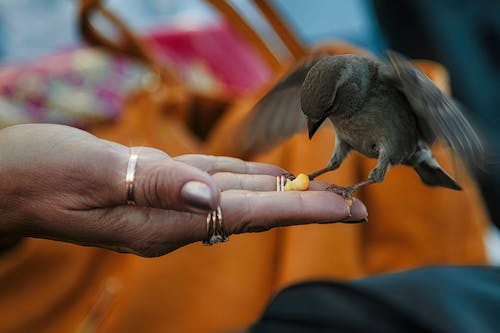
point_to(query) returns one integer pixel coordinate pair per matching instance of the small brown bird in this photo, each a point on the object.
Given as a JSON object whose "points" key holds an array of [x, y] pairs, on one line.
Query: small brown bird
{"points": [[389, 111]]}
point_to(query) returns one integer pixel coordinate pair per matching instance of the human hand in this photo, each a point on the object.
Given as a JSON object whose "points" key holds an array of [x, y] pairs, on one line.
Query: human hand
{"points": [[65, 184]]}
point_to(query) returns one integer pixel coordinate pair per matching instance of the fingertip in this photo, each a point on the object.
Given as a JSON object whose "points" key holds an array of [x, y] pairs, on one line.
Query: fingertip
{"points": [[323, 206], [358, 212], [340, 209]]}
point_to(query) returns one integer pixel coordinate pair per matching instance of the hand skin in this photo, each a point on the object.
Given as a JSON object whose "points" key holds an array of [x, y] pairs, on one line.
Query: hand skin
{"points": [[65, 184]]}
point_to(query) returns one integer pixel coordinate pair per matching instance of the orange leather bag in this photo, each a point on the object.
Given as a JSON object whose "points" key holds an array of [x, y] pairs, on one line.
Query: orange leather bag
{"points": [[50, 286], [409, 225]]}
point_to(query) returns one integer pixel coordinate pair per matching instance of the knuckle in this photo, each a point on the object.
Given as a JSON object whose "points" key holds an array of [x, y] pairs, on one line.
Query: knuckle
{"points": [[156, 187], [149, 186], [246, 217]]}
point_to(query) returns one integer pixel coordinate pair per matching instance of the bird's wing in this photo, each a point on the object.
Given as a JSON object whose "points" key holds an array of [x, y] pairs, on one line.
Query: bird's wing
{"points": [[438, 115], [278, 114]]}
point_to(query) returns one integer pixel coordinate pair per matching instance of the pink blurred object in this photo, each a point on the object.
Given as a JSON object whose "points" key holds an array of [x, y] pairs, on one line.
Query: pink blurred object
{"points": [[77, 87], [214, 50], [84, 86]]}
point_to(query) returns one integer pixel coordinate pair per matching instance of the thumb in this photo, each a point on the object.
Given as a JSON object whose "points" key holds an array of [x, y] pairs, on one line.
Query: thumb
{"points": [[161, 182]]}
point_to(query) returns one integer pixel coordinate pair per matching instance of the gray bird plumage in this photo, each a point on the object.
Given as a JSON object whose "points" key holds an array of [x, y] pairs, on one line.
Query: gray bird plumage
{"points": [[389, 111]]}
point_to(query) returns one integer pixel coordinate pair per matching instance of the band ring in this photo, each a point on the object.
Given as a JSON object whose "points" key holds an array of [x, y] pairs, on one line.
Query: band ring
{"points": [[129, 179], [280, 183], [215, 228]]}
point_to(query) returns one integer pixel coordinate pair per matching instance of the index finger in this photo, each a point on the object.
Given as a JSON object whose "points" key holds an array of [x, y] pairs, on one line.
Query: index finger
{"points": [[213, 164], [234, 181]]}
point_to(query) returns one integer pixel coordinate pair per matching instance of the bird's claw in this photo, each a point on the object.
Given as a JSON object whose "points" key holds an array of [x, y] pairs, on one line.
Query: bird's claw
{"points": [[345, 192], [288, 175]]}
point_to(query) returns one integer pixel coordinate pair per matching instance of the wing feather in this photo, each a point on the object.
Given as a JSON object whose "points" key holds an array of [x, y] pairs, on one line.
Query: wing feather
{"points": [[438, 115], [278, 115]]}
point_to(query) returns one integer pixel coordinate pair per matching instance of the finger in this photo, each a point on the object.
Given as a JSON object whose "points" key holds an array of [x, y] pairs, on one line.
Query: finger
{"points": [[235, 181], [153, 232], [318, 185], [357, 208], [213, 164], [249, 211], [161, 182]]}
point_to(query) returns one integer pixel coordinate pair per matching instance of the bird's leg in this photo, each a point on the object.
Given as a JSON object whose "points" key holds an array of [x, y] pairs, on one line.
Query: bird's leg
{"points": [[375, 176], [378, 172], [340, 152], [319, 172]]}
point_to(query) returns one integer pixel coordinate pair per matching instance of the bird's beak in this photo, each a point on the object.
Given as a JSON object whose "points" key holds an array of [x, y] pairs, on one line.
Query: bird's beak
{"points": [[313, 125]]}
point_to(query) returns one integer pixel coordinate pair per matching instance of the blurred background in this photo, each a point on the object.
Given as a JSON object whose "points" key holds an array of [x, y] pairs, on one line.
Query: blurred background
{"points": [[52, 23], [43, 59]]}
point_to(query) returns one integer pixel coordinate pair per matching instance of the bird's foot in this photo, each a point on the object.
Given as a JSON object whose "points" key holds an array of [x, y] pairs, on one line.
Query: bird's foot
{"points": [[347, 192], [282, 180], [288, 175]]}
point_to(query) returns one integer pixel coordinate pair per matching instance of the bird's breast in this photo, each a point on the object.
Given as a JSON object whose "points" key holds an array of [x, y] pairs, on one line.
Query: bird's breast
{"points": [[360, 135], [371, 130]]}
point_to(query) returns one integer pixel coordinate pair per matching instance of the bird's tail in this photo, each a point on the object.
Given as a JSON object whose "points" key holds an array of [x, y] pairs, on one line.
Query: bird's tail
{"points": [[431, 173]]}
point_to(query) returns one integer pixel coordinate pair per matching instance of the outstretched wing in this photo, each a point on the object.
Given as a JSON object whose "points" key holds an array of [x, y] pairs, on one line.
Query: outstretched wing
{"points": [[437, 114], [278, 114]]}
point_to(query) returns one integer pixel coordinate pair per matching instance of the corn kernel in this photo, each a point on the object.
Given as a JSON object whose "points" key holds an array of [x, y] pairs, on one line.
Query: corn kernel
{"points": [[300, 183]]}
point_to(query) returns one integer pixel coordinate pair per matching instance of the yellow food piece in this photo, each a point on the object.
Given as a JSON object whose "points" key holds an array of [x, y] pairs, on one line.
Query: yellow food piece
{"points": [[300, 183], [348, 202]]}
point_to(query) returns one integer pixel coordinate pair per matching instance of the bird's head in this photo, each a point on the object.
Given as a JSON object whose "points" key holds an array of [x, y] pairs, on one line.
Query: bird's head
{"points": [[319, 90]]}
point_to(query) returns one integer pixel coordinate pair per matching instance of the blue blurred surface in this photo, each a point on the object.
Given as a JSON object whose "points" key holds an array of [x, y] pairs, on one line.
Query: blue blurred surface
{"points": [[30, 29], [322, 20]]}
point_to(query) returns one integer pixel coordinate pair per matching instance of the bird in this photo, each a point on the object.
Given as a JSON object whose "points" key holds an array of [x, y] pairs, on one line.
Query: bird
{"points": [[384, 109]]}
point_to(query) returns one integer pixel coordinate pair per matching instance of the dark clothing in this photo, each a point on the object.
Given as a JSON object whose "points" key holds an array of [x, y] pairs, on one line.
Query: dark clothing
{"points": [[440, 299]]}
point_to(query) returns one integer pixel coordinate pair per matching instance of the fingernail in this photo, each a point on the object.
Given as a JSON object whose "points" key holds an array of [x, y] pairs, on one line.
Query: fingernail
{"points": [[197, 196], [364, 219]]}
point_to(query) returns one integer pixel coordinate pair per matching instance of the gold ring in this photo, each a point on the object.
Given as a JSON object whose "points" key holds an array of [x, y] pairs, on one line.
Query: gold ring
{"points": [[129, 179], [280, 183], [215, 228]]}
